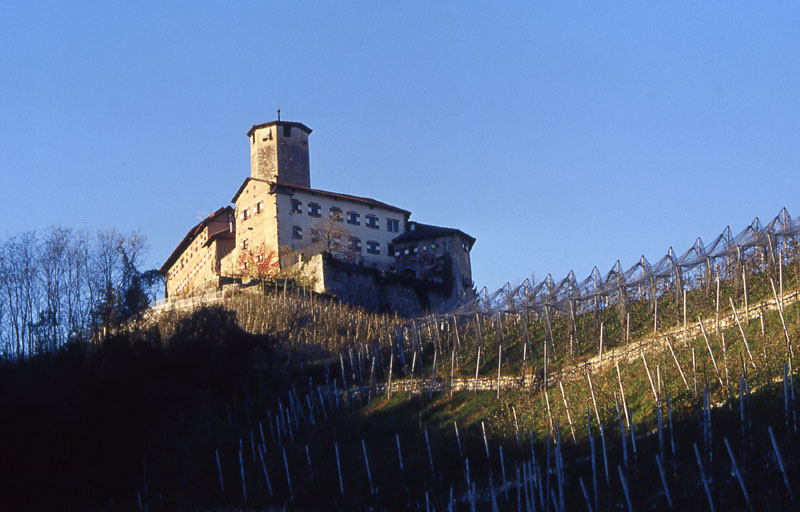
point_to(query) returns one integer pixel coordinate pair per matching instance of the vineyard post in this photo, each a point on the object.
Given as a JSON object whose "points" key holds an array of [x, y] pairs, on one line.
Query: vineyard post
{"points": [[737, 473], [780, 463], [703, 477], [625, 488], [649, 377], [663, 481], [601, 342], [785, 330], [549, 415], [685, 337], [675, 358], [594, 456], [710, 352], [452, 369], [622, 392], [566, 406], [741, 331], [339, 467], [499, 364], [628, 328], [622, 432], [717, 303], [477, 367], [261, 450]]}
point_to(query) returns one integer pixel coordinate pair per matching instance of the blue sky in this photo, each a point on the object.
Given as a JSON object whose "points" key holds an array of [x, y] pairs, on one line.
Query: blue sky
{"points": [[562, 136]]}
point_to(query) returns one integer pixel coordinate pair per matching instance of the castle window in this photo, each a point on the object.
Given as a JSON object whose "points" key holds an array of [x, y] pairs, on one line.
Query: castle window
{"points": [[373, 247], [259, 206], [287, 130], [371, 221], [314, 210], [392, 225], [297, 232], [465, 246], [245, 214], [354, 244], [354, 218], [336, 214], [297, 206], [245, 243]]}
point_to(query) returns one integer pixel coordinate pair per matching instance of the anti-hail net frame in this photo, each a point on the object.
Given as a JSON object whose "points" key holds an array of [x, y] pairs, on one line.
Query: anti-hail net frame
{"points": [[698, 266]]}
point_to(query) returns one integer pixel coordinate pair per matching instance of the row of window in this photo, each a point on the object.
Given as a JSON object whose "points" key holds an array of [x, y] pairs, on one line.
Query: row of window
{"points": [[353, 242], [354, 218]]}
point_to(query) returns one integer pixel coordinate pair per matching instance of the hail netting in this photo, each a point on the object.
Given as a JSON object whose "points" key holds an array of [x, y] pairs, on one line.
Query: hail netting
{"points": [[697, 267]]}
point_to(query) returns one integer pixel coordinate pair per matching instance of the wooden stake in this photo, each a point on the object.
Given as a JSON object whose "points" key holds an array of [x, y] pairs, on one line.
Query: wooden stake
{"points": [[741, 331], [594, 400], [655, 317], [625, 488], [703, 477], [477, 367], [601, 342], [339, 467], [785, 330], [566, 406], [622, 393], [685, 337], [664, 481], [675, 358], [737, 473], [499, 363], [710, 352], [627, 328], [780, 463], [649, 377], [549, 415]]}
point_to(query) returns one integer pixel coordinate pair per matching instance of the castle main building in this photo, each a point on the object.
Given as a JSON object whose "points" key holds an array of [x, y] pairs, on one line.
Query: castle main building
{"points": [[280, 221]]}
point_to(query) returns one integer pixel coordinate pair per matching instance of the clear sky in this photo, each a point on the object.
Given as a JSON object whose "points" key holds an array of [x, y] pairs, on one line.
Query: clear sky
{"points": [[561, 135]]}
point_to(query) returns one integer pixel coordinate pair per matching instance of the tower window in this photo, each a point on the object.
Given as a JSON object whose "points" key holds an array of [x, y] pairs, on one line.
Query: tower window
{"points": [[371, 221], [314, 210], [297, 206], [259, 206], [287, 130], [392, 225]]}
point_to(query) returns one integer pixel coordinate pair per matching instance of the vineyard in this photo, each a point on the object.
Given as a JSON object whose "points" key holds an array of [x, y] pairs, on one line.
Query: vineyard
{"points": [[666, 386]]}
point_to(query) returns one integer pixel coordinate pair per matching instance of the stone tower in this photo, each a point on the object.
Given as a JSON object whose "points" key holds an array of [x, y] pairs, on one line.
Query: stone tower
{"points": [[279, 152]]}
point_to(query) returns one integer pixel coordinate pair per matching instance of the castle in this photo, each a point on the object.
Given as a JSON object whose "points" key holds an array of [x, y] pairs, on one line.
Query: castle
{"points": [[362, 250]]}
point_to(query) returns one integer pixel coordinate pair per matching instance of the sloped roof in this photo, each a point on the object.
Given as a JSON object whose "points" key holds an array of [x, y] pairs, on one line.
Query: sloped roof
{"points": [[418, 231], [187, 240]]}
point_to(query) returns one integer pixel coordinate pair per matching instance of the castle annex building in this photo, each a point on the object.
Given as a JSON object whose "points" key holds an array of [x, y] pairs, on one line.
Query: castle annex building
{"points": [[280, 221]]}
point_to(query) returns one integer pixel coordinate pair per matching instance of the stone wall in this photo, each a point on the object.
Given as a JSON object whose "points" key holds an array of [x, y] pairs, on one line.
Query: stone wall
{"points": [[372, 289]]}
